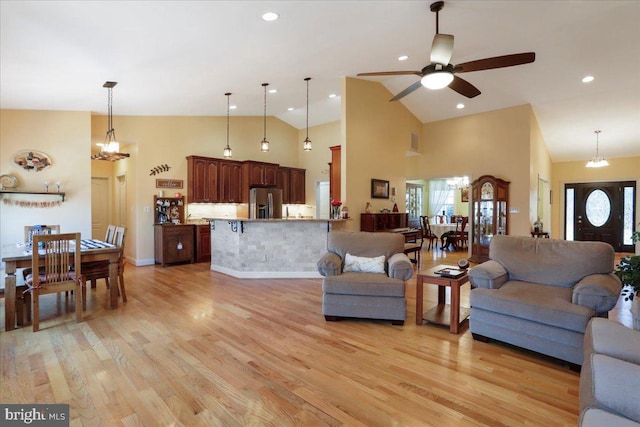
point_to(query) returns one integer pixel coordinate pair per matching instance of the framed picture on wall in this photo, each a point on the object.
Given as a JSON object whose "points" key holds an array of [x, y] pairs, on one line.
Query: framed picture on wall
{"points": [[464, 194], [379, 189]]}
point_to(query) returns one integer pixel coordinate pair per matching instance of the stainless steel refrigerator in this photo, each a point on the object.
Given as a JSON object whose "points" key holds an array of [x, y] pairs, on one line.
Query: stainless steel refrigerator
{"points": [[265, 203]]}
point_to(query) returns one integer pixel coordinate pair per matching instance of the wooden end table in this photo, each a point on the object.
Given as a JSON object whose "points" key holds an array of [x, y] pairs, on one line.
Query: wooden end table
{"points": [[451, 315]]}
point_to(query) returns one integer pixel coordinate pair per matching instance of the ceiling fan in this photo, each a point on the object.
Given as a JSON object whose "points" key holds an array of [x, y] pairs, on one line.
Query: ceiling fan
{"points": [[440, 73]]}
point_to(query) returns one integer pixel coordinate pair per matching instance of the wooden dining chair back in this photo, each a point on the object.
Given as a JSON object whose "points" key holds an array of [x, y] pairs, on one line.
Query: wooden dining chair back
{"points": [[95, 270], [461, 237], [56, 268], [23, 300], [110, 234], [31, 230], [427, 233]]}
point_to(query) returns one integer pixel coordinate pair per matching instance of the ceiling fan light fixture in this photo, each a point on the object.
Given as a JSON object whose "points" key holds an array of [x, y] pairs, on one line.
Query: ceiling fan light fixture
{"points": [[437, 79]]}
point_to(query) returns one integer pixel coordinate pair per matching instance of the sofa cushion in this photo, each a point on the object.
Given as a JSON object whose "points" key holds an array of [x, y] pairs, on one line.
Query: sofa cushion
{"points": [[610, 338], [360, 264], [550, 305], [374, 284], [551, 261]]}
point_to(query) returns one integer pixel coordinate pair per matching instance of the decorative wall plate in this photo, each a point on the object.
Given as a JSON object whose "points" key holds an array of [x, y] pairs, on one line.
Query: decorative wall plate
{"points": [[31, 160], [8, 181]]}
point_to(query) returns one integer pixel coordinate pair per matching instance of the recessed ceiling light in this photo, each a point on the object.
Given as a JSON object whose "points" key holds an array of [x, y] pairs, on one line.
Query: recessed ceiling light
{"points": [[290, 109], [273, 90], [403, 58], [232, 107], [588, 79], [333, 95], [270, 16], [460, 106]]}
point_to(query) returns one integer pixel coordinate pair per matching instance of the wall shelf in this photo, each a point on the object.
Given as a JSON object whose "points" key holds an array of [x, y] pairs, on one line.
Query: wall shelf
{"points": [[43, 193]]}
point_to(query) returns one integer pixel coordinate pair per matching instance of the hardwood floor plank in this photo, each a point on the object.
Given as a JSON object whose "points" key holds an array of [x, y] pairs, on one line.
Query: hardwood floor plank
{"points": [[197, 348]]}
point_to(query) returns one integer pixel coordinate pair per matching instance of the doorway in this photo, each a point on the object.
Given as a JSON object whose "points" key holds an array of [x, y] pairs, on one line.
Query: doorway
{"points": [[322, 199], [601, 211]]}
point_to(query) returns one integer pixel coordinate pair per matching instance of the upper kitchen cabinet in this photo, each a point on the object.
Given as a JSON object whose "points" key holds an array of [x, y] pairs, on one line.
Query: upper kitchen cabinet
{"points": [[292, 183], [257, 174], [202, 179], [230, 189]]}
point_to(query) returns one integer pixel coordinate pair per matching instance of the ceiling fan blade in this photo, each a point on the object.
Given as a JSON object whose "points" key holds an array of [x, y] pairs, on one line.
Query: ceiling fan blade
{"points": [[496, 62], [390, 73], [463, 87], [407, 91], [441, 49]]}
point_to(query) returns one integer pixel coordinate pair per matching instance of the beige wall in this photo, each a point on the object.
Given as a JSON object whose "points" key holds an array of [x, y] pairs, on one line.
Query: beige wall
{"points": [[316, 162], [619, 169], [376, 136], [494, 143], [64, 137], [539, 167]]}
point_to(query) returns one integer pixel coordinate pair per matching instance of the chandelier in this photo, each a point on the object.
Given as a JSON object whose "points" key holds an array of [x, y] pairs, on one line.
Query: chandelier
{"points": [[227, 150], [110, 148], [458, 182], [597, 161]]}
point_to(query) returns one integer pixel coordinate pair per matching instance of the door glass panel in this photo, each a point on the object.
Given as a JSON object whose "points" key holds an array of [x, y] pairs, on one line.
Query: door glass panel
{"points": [[568, 219], [598, 208], [627, 226]]}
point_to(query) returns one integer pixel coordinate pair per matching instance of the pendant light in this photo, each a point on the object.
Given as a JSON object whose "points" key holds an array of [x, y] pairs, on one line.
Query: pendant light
{"points": [[597, 161], [110, 148], [264, 145], [307, 142], [227, 150]]}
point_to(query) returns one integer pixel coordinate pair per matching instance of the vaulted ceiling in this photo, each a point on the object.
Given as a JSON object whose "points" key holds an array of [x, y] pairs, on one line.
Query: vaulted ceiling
{"points": [[180, 57]]}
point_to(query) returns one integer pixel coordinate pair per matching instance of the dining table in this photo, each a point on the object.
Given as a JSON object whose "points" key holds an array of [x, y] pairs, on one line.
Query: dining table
{"points": [[17, 256], [440, 229]]}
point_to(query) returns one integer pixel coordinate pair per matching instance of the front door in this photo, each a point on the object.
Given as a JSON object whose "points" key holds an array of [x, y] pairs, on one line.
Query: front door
{"points": [[601, 211]]}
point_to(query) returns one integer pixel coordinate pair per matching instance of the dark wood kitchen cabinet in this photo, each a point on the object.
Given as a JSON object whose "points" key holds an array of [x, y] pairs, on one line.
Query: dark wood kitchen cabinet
{"points": [[203, 243], [257, 174], [173, 243], [202, 179], [230, 180], [292, 183]]}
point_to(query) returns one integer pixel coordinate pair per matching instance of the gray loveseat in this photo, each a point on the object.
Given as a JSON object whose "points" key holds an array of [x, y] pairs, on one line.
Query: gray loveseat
{"points": [[539, 294], [370, 295], [610, 376]]}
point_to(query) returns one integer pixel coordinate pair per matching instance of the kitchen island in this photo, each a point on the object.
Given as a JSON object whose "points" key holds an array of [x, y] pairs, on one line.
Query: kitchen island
{"points": [[269, 248]]}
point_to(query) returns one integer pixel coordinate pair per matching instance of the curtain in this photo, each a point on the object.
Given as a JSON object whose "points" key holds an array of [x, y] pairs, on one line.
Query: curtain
{"points": [[438, 193]]}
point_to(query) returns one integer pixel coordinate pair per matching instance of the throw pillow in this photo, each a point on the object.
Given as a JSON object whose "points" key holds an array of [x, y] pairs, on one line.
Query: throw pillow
{"points": [[364, 264]]}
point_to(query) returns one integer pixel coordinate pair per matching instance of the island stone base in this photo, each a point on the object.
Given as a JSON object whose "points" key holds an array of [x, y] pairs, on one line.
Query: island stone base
{"points": [[268, 248]]}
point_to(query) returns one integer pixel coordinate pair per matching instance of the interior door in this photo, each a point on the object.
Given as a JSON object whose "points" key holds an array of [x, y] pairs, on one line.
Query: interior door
{"points": [[602, 211], [99, 207]]}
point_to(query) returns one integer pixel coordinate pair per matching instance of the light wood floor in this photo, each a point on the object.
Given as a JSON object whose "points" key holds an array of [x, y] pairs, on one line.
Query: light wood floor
{"points": [[197, 348]]}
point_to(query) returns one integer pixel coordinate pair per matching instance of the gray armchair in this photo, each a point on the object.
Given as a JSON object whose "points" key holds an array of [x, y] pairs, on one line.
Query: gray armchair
{"points": [[539, 294], [370, 295]]}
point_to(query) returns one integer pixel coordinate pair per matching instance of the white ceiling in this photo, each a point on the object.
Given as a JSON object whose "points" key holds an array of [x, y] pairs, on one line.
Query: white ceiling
{"points": [[180, 57]]}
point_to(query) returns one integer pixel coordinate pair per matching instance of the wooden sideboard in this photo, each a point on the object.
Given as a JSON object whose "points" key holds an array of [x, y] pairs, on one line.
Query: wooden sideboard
{"points": [[383, 221]]}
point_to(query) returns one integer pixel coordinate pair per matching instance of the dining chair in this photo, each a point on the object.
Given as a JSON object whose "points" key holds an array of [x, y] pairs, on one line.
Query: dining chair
{"points": [[58, 268], [427, 233], [461, 236], [23, 300], [413, 245], [95, 270]]}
